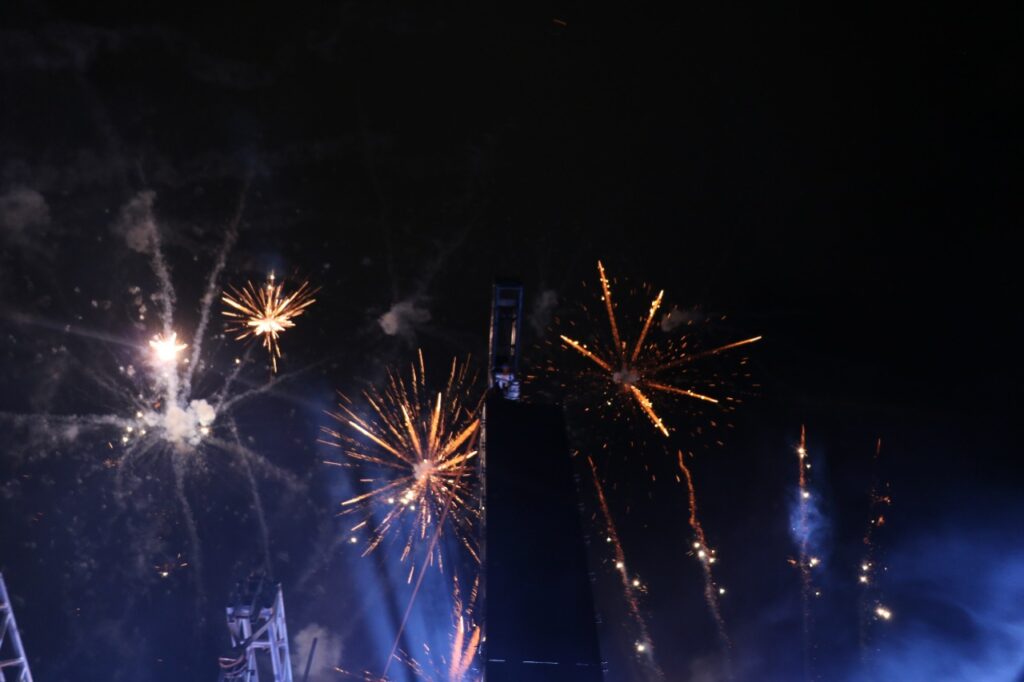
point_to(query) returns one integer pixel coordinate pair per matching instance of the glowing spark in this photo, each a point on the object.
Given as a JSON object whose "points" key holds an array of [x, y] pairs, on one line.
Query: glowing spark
{"points": [[166, 350], [883, 613], [425, 444], [266, 312], [638, 370]]}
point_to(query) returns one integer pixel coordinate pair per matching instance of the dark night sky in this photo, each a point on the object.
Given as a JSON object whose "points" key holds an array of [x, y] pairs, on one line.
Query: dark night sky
{"points": [[837, 180]]}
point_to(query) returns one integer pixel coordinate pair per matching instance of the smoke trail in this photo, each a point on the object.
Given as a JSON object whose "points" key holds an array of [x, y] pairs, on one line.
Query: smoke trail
{"points": [[644, 645], [227, 404], [222, 394], [230, 237], [193, 533], [707, 558], [256, 499], [141, 234]]}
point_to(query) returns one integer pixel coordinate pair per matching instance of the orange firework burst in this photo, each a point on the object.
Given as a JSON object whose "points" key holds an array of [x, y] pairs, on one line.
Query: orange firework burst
{"points": [[423, 443], [640, 370], [457, 662], [455, 665], [266, 312]]}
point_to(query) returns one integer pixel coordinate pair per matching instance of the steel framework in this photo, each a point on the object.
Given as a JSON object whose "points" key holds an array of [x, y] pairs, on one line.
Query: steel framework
{"points": [[258, 633], [12, 653]]}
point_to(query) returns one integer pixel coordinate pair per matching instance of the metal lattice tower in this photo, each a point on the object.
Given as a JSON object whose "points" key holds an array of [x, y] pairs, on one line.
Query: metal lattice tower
{"points": [[12, 654], [259, 635], [506, 329]]}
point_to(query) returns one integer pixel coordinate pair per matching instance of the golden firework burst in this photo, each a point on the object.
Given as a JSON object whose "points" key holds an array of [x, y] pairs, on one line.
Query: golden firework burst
{"points": [[266, 311], [640, 369], [422, 445]]}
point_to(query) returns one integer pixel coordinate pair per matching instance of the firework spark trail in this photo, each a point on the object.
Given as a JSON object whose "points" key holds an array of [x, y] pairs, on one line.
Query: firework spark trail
{"points": [[636, 373], [804, 561], [870, 608], [419, 580], [644, 644], [707, 557], [606, 291], [465, 639], [423, 443], [230, 237], [463, 652]]}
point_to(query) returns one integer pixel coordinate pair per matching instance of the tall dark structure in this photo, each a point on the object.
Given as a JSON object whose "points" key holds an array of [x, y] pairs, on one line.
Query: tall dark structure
{"points": [[541, 624]]}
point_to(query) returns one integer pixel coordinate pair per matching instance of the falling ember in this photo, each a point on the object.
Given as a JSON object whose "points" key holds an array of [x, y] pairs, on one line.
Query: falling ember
{"points": [[165, 350], [707, 557], [883, 613], [638, 369], [423, 444], [266, 312]]}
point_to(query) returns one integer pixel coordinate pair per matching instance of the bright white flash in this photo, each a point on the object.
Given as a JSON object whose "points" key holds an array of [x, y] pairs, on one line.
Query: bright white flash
{"points": [[166, 350]]}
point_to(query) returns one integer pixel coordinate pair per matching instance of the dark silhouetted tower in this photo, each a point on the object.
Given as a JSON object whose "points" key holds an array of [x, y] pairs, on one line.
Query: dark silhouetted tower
{"points": [[540, 616]]}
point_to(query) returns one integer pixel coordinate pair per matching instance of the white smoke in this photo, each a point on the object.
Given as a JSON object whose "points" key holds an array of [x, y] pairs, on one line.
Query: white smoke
{"points": [[329, 648], [676, 317], [543, 306], [136, 223], [22, 208], [403, 318], [185, 425]]}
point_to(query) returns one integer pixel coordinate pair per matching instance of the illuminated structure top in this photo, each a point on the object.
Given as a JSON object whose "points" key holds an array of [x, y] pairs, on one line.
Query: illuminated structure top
{"points": [[506, 331]]}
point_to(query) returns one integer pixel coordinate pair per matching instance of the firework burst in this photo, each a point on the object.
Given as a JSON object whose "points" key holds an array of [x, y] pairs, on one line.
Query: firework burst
{"points": [[455, 664], [165, 405], [266, 312], [422, 446], [639, 371]]}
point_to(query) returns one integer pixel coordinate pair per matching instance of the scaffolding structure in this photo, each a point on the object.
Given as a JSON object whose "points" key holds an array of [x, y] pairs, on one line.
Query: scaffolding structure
{"points": [[259, 635], [13, 661]]}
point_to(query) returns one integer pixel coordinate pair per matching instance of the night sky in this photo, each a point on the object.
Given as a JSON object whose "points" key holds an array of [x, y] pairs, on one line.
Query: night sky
{"points": [[836, 180]]}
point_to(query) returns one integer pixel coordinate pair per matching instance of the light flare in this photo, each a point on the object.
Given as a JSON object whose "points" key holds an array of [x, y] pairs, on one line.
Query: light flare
{"points": [[166, 349]]}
